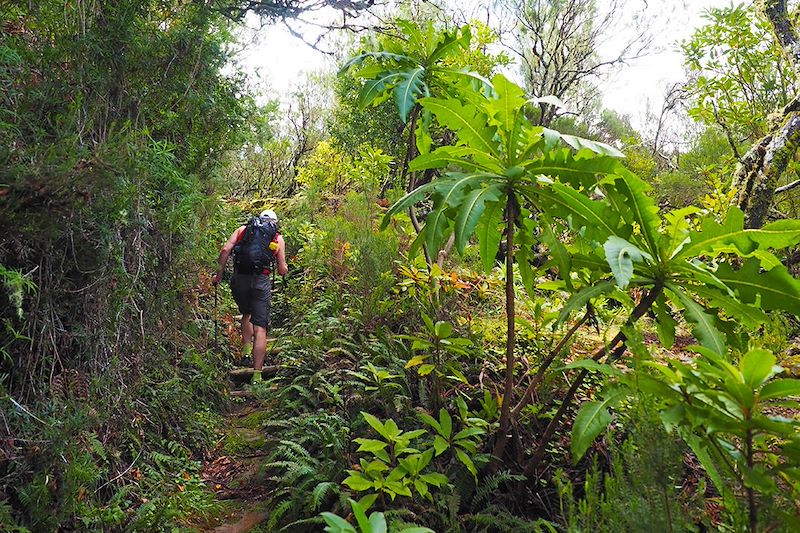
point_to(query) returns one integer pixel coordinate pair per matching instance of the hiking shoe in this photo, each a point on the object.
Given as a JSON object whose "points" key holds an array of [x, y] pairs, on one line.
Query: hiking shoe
{"points": [[246, 362], [256, 378]]}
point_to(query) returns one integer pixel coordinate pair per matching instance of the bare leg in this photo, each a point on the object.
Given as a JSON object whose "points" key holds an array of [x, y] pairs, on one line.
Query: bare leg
{"points": [[259, 346], [247, 334]]}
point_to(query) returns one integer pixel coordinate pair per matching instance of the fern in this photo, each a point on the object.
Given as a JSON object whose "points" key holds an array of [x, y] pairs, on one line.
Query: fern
{"points": [[277, 513], [488, 488], [321, 492], [313, 523], [500, 520], [306, 461]]}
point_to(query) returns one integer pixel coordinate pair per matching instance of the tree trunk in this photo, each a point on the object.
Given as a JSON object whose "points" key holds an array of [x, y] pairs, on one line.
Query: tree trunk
{"points": [[757, 175]]}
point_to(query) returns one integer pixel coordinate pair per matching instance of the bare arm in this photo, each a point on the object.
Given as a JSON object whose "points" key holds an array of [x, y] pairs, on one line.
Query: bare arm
{"points": [[280, 255], [225, 253]]}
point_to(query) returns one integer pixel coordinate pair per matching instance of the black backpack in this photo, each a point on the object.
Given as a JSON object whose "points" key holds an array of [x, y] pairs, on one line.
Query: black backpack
{"points": [[252, 253]]}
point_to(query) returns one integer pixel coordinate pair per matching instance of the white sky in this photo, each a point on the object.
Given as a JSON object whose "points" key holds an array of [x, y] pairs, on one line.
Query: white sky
{"points": [[280, 61]]}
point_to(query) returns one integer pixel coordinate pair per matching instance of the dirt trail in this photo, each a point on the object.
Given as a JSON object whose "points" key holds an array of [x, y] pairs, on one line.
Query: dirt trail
{"points": [[248, 522], [233, 471]]}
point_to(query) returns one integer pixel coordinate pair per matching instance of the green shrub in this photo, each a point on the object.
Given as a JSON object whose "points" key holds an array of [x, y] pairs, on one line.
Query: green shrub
{"points": [[639, 488]]}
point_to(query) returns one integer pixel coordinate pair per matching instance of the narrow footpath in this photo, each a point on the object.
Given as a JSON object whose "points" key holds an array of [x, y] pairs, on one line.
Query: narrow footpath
{"points": [[234, 469]]}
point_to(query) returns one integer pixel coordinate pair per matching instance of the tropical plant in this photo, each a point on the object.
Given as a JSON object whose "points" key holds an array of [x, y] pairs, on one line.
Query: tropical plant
{"points": [[501, 155], [512, 173], [411, 66], [730, 415], [395, 455], [375, 523], [464, 443], [420, 62], [431, 350]]}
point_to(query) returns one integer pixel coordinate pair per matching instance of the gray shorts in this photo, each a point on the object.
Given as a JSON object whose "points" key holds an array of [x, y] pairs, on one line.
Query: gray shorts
{"points": [[252, 293]]}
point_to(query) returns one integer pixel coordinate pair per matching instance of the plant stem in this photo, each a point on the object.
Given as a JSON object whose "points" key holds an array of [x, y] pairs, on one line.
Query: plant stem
{"points": [[505, 411], [666, 508], [751, 495], [546, 364], [412, 181], [616, 344]]}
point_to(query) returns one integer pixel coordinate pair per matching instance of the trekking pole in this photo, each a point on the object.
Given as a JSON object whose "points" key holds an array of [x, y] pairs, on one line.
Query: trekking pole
{"points": [[216, 321]]}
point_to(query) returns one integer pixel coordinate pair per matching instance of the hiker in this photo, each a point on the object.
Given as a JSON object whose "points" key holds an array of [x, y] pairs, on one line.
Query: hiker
{"points": [[257, 248]]}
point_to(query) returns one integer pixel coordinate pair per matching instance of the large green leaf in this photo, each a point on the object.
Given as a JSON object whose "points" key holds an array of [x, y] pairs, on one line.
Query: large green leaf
{"points": [[599, 221], [665, 324], [407, 201], [774, 289], [361, 517], [467, 462], [748, 315], [757, 366], [705, 329], [370, 445], [579, 143], [713, 234], [642, 207], [504, 110], [780, 388], [376, 86], [716, 237], [568, 168], [527, 274], [377, 523], [489, 234], [455, 73], [469, 124], [377, 425], [582, 297], [690, 273], [336, 524], [591, 420], [406, 92], [465, 156], [778, 235], [450, 44], [437, 226], [590, 262], [471, 210], [449, 193], [509, 100], [377, 56], [558, 251], [621, 255], [418, 43], [676, 233]]}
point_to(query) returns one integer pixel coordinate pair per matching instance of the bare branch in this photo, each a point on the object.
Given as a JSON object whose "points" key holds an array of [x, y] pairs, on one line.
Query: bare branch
{"points": [[788, 187], [557, 44]]}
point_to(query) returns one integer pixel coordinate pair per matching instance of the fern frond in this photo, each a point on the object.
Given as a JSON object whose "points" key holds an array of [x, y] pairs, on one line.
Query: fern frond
{"points": [[277, 513], [314, 523], [320, 492], [489, 486], [495, 518]]}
